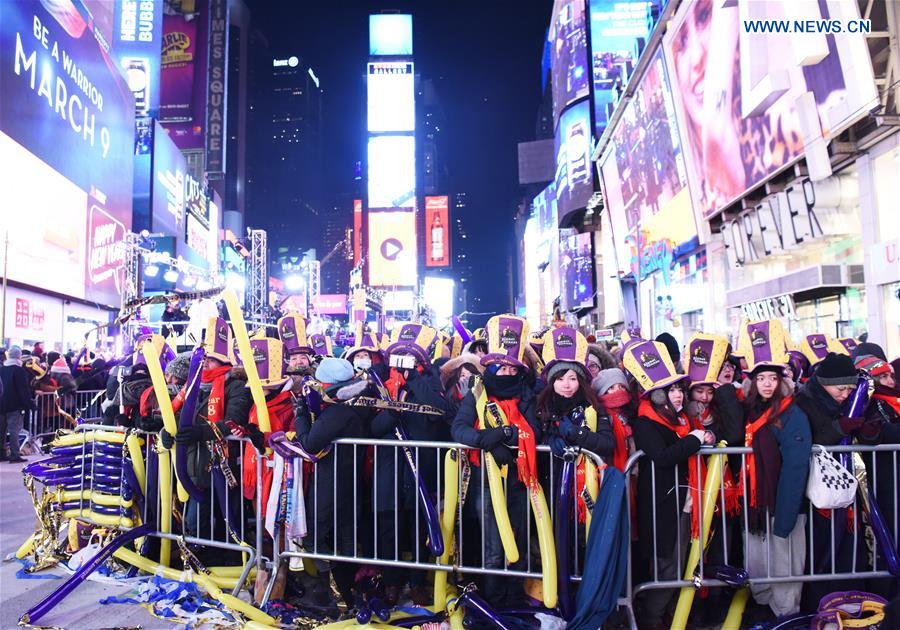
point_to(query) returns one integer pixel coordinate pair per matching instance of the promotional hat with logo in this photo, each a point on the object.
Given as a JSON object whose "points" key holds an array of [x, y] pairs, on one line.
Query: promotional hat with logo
{"points": [[816, 347], [480, 333], [506, 339], [799, 363], [564, 345], [628, 337], [217, 340], [844, 345], [456, 345], [415, 339], [268, 355], [363, 340], [292, 332], [321, 345], [536, 341], [160, 346], [650, 365], [762, 344], [706, 354]]}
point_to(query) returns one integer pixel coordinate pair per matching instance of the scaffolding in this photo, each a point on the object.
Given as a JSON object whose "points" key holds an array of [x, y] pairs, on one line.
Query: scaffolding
{"points": [[258, 291]]}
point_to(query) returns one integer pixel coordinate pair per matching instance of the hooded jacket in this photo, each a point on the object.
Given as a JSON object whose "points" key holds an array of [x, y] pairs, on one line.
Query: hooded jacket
{"points": [[823, 412]]}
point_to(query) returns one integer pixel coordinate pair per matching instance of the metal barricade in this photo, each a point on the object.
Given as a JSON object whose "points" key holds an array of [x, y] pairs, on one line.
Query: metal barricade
{"points": [[99, 491], [52, 411]]}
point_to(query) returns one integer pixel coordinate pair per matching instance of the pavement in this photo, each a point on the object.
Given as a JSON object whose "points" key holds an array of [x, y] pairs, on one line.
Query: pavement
{"points": [[81, 610]]}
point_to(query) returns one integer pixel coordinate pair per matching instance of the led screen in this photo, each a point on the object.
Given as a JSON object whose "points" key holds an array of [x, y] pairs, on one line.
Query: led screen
{"points": [[619, 31], [391, 97], [437, 231], [137, 43], [357, 230], [576, 268], [168, 198], [66, 146], [737, 106], [644, 180], [438, 295], [574, 179], [569, 58], [392, 172], [390, 34], [392, 249], [546, 232]]}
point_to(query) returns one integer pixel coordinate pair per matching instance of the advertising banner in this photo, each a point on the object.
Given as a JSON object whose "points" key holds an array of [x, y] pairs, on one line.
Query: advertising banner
{"points": [[169, 174], [437, 231], [576, 268], [392, 172], [357, 230], [330, 304], [179, 58], [66, 130], [569, 56], [391, 96], [574, 175], [390, 34], [392, 249], [619, 31], [644, 179], [137, 44], [736, 95], [216, 99]]}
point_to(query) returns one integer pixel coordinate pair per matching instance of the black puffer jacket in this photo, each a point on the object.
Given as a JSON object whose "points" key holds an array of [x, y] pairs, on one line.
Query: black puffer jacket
{"points": [[823, 412]]}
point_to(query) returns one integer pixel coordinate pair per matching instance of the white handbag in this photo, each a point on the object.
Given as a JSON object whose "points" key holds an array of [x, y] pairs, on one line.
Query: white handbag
{"points": [[829, 486]]}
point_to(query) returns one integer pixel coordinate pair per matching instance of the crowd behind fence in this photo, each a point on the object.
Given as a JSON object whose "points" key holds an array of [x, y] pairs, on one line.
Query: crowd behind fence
{"points": [[355, 505]]}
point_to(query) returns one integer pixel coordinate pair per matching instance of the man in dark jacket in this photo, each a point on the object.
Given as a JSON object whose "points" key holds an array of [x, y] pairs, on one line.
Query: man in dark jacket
{"points": [[411, 379], [15, 402]]}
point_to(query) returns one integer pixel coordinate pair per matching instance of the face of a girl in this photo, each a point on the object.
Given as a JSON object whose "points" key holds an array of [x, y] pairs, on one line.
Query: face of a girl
{"points": [[567, 384], [702, 394], [886, 380], [298, 360], [726, 375], [676, 397], [616, 387], [690, 52], [767, 383]]}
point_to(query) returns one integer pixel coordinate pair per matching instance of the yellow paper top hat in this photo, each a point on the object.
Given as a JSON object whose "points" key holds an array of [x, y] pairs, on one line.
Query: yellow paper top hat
{"points": [[706, 354], [844, 345], [815, 347], [415, 339], [762, 343], [650, 365], [564, 344], [362, 340], [456, 345], [160, 346], [507, 336], [321, 345], [217, 340], [480, 333], [292, 332], [268, 355]]}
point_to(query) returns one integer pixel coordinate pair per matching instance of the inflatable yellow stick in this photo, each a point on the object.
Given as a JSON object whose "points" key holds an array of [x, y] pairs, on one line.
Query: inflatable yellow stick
{"points": [[151, 356], [133, 442], [547, 546], [79, 437], [498, 502], [736, 610], [709, 498], [590, 471], [165, 506], [448, 521]]}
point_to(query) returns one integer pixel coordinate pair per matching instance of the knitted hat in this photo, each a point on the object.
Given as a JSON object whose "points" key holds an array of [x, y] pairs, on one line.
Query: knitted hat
{"points": [[15, 352], [179, 367], [60, 367], [869, 348], [561, 367], [607, 378], [671, 345], [332, 370], [873, 365], [836, 369]]}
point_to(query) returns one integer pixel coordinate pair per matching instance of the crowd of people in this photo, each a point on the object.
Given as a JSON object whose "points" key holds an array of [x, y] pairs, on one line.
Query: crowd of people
{"points": [[501, 393]]}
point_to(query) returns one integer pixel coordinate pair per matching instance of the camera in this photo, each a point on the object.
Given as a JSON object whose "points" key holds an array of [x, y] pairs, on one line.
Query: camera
{"points": [[402, 361]]}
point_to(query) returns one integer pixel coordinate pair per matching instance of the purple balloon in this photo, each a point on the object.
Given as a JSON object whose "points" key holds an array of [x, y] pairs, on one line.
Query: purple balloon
{"points": [[470, 599], [186, 419], [563, 528]]}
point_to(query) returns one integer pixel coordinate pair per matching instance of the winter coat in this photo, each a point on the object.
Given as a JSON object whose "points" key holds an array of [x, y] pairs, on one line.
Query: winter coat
{"points": [[883, 466], [823, 412], [423, 389], [16, 389]]}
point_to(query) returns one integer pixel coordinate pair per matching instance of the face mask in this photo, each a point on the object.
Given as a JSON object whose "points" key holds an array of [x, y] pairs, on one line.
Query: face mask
{"points": [[362, 363]]}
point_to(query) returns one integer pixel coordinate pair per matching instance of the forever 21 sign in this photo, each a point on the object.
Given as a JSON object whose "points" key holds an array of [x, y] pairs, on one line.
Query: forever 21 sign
{"points": [[780, 222]]}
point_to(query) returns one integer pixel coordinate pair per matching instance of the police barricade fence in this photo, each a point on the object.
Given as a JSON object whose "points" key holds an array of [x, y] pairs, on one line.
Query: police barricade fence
{"points": [[54, 412], [94, 491], [363, 518]]}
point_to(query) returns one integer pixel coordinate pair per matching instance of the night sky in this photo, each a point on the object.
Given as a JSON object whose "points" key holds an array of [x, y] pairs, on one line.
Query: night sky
{"points": [[484, 57]]}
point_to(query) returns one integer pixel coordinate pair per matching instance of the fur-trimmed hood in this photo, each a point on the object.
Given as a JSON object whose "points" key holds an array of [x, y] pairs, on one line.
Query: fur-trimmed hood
{"points": [[607, 360], [350, 389], [451, 367]]}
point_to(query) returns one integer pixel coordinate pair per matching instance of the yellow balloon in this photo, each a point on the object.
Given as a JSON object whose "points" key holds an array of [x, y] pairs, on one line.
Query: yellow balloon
{"points": [[501, 514], [545, 541]]}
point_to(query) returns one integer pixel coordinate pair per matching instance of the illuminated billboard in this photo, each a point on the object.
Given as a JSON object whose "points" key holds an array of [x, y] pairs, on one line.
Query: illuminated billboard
{"points": [[168, 188], [644, 179], [67, 146], [437, 231], [619, 31], [391, 96], [392, 172], [357, 230], [390, 34], [576, 270], [574, 176], [737, 105], [569, 57], [137, 43], [438, 294], [392, 249]]}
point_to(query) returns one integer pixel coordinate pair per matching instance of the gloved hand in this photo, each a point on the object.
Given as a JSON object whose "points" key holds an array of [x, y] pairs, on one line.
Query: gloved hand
{"points": [[151, 423], [568, 432], [850, 425], [167, 440], [700, 434], [870, 430], [503, 455], [491, 438], [512, 435], [257, 437], [198, 432]]}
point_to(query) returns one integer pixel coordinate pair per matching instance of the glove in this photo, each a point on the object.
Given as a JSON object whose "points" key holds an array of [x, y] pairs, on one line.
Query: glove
{"points": [[577, 437], [199, 432], [151, 423], [251, 431], [568, 432], [512, 435], [850, 425], [502, 455], [167, 440], [870, 430], [700, 434], [491, 438]]}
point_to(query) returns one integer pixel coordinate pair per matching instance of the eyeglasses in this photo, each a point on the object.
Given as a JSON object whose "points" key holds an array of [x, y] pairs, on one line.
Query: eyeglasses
{"points": [[594, 368]]}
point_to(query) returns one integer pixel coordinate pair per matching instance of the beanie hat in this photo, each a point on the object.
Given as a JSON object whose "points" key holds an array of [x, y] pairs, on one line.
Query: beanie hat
{"points": [[179, 366], [873, 365], [15, 352], [768, 367], [671, 345], [60, 367], [607, 378], [333, 370], [561, 367], [869, 348], [836, 369]]}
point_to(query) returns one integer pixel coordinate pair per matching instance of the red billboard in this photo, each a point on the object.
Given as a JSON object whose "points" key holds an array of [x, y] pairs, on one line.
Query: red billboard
{"points": [[357, 230], [437, 231]]}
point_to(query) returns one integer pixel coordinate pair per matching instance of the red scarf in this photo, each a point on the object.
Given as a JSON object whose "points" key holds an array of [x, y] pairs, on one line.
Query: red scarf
{"points": [[526, 459], [749, 433], [281, 415], [621, 434], [682, 429], [216, 402], [892, 401], [395, 383]]}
